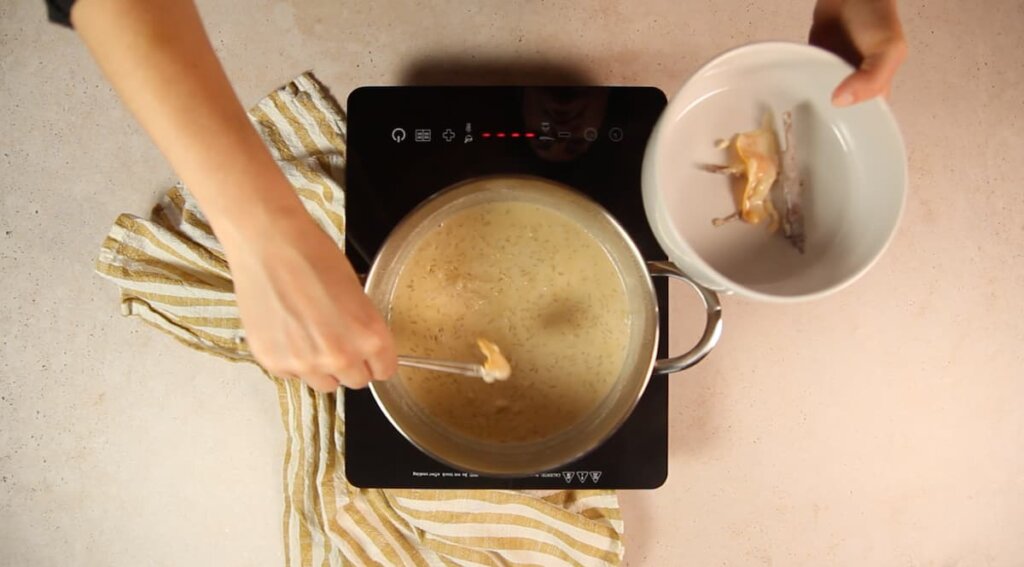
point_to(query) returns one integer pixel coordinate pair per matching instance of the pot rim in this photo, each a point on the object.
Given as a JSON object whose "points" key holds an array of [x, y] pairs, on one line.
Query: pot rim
{"points": [[649, 292]]}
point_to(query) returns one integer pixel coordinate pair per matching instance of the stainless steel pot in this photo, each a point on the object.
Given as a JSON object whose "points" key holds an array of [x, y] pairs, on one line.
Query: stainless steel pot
{"points": [[523, 459]]}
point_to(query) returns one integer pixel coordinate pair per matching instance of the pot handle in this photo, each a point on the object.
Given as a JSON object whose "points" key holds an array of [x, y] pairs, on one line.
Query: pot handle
{"points": [[712, 329]]}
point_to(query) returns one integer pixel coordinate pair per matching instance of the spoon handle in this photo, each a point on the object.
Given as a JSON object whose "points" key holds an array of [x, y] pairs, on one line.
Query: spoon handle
{"points": [[461, 368]]}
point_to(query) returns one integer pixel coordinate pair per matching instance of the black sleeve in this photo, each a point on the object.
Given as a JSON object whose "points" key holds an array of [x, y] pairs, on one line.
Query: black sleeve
{"points": [[59, 11]]}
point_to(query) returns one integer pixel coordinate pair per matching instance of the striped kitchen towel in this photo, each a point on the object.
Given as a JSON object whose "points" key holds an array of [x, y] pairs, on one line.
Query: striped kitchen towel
{"points": [[172, 274]]}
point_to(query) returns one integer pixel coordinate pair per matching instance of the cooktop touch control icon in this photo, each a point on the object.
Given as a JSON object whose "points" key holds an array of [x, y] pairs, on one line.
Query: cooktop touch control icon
{"points": [[615, 134], [398, 134], [423, 135], [448, 135], [581, 476]]}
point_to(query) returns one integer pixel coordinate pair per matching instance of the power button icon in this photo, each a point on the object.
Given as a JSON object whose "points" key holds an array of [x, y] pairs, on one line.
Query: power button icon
{"points": [[615, 134], [398, 134]]}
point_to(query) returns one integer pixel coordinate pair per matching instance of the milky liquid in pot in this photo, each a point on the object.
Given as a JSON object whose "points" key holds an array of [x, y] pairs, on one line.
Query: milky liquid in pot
{"points": [[537, 284]]}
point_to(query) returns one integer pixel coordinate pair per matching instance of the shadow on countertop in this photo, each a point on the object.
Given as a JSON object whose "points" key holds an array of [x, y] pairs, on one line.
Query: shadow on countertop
{"points": [[465, 71]]}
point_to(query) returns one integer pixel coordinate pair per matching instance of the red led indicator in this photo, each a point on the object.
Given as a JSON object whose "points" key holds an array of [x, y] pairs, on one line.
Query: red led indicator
{"points": [[508, 134]]}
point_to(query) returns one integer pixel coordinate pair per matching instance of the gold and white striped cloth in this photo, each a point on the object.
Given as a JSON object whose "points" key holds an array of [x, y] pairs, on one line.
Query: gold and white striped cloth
{"points": [[172, 274]]}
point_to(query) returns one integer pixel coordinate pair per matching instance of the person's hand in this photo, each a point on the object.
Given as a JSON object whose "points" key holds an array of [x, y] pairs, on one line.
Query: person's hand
{"points": [[304, 311], [868, 34]]}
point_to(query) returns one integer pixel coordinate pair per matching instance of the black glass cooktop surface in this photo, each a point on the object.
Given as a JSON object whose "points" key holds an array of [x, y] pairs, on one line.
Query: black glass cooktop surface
{"points": [[407, 143]]}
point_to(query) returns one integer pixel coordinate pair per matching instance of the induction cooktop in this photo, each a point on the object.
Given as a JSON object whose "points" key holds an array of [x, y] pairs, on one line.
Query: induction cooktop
{"points": [[407, 143]]}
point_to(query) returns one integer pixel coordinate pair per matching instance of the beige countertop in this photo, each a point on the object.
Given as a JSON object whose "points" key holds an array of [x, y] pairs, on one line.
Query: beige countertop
{"points": [[881, 426]]}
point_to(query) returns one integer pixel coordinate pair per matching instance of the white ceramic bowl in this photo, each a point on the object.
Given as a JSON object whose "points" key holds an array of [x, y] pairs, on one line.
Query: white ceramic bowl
{"points": [[852, 160]]}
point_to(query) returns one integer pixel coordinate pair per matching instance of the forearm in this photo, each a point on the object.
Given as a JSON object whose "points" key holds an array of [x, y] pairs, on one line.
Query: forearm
{"points": [[159, 60], [827, 9], [835, 4]]}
